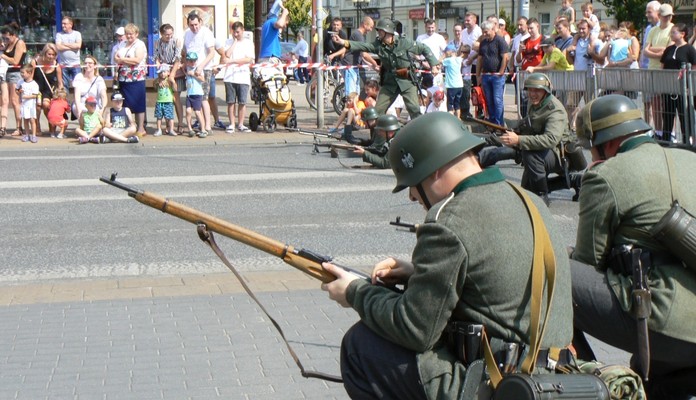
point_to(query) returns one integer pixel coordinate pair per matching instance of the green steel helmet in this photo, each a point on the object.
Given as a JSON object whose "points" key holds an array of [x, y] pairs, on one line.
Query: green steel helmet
{"points": [[369, 114], [387, 122], [609, 117], [427, 143], [539, 81], [386, 25]]}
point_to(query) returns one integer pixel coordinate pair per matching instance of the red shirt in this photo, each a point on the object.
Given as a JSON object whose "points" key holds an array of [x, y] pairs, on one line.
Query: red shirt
{"points": [[56, 110], [532, 54]]}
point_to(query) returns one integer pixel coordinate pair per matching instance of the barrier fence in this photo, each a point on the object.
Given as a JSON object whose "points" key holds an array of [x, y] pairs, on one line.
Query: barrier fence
{"points": [[666, 97]]}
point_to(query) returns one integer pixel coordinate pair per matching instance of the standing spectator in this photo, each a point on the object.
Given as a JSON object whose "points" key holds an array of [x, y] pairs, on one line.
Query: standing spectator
{"points": [[28, 91], [132, 73], [49, 77], [565, 37], [164, 107], [554, 59], [465, 103], [492, 59], [199, 39], [358, 58], [521, 35], [4, 96], [580, 52], [502, 31], [89, 84], [432, 39], [331, 49], [69, 42], [194, 94], [529, 55], [119, 38], [457, 40], [658, 40], [15, 49], [212, 93], [673, 57], [452, 63], [302, 51], [276, 21], [566, 12], [239, 51], [395, 68], [470, 35], [653, 18], [168, 51]]}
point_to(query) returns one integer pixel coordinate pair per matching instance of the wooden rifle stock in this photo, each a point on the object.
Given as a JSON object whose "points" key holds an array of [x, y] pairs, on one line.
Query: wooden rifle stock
{"points": [[488, 124], [304, 260]]}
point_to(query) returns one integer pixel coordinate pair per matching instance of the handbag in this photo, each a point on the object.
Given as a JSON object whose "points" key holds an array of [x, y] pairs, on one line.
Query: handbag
{"points": [[73, 106], [525, 385]]}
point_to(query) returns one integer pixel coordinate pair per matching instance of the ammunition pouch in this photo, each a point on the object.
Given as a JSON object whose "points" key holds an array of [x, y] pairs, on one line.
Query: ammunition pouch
{"points": [[551, 386], [403, 73], [573, 156], [676, 230]]}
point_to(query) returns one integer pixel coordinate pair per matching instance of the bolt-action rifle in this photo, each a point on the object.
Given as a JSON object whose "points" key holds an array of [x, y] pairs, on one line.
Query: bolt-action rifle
{"points": [[306, 261], [407, 227]]}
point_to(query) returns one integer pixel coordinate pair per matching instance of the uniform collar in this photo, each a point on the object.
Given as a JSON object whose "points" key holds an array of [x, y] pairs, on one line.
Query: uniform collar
{"points": [[634, 142], [488, 175]]}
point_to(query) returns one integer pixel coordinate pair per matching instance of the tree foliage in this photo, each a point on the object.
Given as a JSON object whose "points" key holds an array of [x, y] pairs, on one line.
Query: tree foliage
{"points": [[249, 15], [510, 25], [627, 10], [299, 16]]}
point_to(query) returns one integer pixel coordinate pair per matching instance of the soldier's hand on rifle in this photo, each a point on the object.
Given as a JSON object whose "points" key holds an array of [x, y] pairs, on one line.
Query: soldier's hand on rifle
{"points": [[359, 150], [337, 289], [392, 272], [510, 139]]}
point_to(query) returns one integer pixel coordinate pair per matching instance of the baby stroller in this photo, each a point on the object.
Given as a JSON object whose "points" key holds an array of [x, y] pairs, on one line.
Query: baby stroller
{"points": [[270, 90]]}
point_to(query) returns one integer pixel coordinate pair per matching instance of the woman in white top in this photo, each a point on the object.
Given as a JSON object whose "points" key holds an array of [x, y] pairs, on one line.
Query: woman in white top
{"points": [[86, 84]]}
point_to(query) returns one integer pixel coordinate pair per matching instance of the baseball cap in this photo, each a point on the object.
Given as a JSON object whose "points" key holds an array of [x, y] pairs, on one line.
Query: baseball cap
{"points": [[120, 31], [451, 47], [91, 100], [547, 42], [501, 21], [666, 10], [439, 95], [191, 56], [117, 96]]}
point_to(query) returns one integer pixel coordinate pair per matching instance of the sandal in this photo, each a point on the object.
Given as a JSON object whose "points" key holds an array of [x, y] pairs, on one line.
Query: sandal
{"points": [[18, 132], [2, 132]]}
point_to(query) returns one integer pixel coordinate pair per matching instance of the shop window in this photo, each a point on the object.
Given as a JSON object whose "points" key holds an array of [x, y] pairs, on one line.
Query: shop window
{"points": [[545, 27]]}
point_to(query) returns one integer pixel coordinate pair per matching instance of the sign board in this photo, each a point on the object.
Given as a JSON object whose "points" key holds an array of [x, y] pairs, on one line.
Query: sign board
{"points": [[447, 12], [418, 13], [348, 22]]}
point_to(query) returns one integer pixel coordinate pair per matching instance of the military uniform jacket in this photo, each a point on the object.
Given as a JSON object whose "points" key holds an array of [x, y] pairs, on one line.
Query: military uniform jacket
{"points": [[468, 274], [549, 122], [376, 153], [396, 56], [621, 199]]}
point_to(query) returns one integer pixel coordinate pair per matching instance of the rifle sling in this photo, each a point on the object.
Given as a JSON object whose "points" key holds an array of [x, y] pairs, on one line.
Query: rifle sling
{"points": [[207, 236]]}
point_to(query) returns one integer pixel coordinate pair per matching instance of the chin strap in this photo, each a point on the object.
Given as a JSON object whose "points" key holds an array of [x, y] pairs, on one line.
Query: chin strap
{"points": [[423, 196]]}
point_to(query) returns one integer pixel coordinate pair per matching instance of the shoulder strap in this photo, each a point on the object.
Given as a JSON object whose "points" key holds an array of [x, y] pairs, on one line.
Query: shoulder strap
{"points": [[543, 254], [670, 173]]}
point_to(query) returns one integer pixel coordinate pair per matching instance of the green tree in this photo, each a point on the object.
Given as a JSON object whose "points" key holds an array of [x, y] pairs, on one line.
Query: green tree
{"points": [[299, 14], [627, 10], [249, 15]]}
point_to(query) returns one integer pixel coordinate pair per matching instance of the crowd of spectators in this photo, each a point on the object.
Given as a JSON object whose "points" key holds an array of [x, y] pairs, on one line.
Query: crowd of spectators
{"points": [[482, 55]]}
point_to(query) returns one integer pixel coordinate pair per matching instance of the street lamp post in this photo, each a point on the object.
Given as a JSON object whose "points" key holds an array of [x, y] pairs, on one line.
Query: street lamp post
{"points": [[358, 7]]}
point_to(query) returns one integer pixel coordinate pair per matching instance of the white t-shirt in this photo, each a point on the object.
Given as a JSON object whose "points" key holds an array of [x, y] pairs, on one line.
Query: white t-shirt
{"points": [[200, 43], [470, 38], [433, 108], [69, 58], [436, 42], [241, 73], [28, 89], [88, 89]]}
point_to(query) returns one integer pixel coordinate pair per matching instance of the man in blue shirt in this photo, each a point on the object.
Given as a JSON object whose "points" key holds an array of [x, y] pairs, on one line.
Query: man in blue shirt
{"points": [[276, 22]]}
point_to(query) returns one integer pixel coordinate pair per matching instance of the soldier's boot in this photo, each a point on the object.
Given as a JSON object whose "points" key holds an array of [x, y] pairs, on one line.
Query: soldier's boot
{"points": [[541, 187], [348, 135], [575, 183]]}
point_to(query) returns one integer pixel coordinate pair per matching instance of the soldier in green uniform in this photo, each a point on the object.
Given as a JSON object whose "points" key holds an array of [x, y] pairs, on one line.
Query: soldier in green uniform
{"points": [[376, 153], [624, 193], [471, 263], [395, 56], [369, 115], [539, 144]]}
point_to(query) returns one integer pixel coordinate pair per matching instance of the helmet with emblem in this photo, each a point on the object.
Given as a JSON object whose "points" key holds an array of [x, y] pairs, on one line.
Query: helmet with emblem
{"points": [[538, 80], [609, 117], [426, 144], [369, 114], [386, 25], [387, 123]]}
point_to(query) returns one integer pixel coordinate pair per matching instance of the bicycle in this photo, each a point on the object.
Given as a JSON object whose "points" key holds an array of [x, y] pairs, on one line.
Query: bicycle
{"points": [[333, 90]]}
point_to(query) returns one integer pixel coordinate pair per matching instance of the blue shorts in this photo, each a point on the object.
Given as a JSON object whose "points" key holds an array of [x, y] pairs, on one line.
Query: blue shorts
{"points": [[454, 96], [194, 101], [164, 111]]}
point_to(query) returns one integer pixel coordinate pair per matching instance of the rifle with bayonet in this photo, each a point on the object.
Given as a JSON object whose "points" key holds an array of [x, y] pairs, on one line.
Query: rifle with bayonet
{"points": [[306, 261]]}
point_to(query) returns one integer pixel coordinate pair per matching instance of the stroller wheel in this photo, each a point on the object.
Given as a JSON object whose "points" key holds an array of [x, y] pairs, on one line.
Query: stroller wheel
{"points": [[270, 124], [292, 122], [253, 121]]}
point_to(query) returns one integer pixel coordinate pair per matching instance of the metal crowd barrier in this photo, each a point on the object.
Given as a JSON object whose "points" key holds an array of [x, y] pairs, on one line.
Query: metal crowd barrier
{"points": [[660, 94]]}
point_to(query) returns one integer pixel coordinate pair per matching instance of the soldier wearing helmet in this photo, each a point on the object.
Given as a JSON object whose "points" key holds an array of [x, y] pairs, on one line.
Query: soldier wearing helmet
{"points": [[539, 143], [376, 153], [624, 194], [395, 55], [471, 263]]}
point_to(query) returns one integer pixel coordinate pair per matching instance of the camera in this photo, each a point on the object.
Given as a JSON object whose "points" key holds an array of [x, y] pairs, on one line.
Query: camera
{"points": [[572, 53]]}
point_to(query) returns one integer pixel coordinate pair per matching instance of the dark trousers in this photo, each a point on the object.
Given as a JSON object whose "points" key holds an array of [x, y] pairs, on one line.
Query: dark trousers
{"points": [[465, 102], [375, 368], [672, 106], [491, 155], [303, 74], [597, 312], [538, 164]]}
